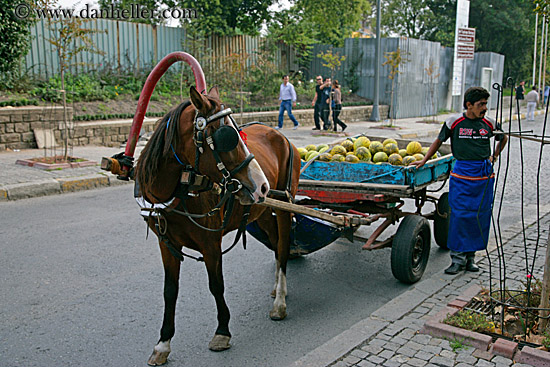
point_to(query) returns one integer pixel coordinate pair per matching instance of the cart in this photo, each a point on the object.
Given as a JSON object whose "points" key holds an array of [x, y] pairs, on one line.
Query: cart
{"points": [[335, 198]]}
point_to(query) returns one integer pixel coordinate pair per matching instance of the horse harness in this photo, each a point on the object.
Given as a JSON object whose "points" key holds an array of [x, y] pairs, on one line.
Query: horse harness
{"points": [[225, 139]]}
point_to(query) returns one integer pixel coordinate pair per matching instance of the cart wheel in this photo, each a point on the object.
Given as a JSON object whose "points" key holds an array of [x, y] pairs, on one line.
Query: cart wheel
{"points": [[411, 249], [441, 223]]}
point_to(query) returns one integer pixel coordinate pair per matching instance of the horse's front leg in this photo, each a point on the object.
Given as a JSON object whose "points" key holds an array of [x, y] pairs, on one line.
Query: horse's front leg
{"points": [[283, 249], [171, 286], [213, 262]]}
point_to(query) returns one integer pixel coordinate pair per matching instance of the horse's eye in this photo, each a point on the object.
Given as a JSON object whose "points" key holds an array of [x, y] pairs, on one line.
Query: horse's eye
{"points": [[225, 138]]}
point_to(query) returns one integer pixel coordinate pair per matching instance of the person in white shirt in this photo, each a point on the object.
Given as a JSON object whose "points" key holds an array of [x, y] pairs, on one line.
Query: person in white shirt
{"points": [[287, 98], [532, 99]]}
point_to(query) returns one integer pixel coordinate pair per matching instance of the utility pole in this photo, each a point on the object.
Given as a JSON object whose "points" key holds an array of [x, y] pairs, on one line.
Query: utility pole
{"points": [[375, 114], [535, 48]]}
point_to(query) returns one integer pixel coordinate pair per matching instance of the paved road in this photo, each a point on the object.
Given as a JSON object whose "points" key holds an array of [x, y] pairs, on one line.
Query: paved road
{"points": [[85, 289]]}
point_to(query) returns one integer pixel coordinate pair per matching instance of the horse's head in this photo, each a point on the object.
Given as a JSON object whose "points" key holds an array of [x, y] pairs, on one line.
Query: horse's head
{"points": [[220, 150]]}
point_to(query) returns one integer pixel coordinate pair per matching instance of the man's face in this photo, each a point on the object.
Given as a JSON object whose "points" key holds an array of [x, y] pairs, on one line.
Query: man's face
{"points": [[478, 109], [328, 80], [285, 79], [319, 80]]}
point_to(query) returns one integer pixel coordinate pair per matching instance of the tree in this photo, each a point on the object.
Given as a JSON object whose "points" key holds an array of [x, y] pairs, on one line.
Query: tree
{"points": [[394, 60], [227, 17], [332, 61], [15, 36], [411, 18]]}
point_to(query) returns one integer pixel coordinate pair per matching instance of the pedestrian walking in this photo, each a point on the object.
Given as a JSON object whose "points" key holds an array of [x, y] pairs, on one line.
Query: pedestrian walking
{"points": [[532, 99], [546, 93], [287, 99], [317, 102], [472, 178], [325, 108], [337, 106]]}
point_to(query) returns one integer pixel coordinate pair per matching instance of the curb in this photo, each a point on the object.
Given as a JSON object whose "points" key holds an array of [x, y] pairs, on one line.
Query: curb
{"points": [[501, 347], [57, 186]]}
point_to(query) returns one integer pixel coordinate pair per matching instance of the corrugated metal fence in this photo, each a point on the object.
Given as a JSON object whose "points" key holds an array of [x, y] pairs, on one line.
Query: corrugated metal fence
{"points": [[135, 46], [422, 86]]}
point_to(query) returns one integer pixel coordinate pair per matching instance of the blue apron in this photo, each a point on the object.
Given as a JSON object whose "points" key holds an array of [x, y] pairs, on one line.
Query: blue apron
{"points": [[470, 198]]}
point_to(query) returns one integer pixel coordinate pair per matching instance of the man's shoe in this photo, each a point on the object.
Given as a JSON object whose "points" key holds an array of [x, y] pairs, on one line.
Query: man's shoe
{"points": [[454, 269], [344, 128], [277, 127], [295, 127], [471, 266], [315, 128]]}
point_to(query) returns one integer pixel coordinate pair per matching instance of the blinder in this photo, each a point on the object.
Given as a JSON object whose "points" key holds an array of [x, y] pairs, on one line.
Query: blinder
{"points": [[226, 138]]}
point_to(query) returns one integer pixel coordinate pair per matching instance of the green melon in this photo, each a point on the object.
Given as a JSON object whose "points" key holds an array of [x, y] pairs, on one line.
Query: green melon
{"points": [[311, 155], [418, 156], [338, 149], [408, 160], [375, 147], [320, 148], [348, 144], [311, 147], [363, 153], [424, 151], [390, 149], [324, 157], [414, 147], [361, 141], [352, 158], [303, 152], [337, 158], [395, 159], [389, 141], [403, 152], [380, 157]]}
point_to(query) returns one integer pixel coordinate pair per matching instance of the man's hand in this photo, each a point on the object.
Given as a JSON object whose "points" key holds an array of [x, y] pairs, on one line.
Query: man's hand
{"points": [[418, 164]]}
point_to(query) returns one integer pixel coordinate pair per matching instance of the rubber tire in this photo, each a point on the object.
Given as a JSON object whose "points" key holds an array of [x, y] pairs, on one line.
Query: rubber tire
{"points": [[441, 224], [411, 249]]}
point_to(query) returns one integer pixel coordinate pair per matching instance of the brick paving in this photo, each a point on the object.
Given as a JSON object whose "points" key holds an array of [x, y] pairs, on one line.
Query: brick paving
{"points": [[401, 344]]}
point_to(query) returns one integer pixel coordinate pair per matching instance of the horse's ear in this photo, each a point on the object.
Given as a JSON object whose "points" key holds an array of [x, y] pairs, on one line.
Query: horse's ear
{"points": [[198, 100], [214, 92]]}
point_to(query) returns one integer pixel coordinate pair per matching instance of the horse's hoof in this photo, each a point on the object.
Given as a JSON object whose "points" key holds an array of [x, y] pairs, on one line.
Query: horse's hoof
{"points": [[219, 343], [278, 313], [158, 358]]}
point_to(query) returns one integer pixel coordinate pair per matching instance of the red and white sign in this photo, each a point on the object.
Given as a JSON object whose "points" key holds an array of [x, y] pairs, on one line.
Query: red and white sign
{"points": [[466, 35]]}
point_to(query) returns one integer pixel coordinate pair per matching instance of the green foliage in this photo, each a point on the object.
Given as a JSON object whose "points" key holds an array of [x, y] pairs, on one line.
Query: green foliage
{"points": [[469, 320], [15, 36], [228, 17], [411, 18], [351, 74], [457, 344]]}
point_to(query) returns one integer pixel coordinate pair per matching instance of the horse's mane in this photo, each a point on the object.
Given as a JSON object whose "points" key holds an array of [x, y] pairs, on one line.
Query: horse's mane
{"points": [[153, 154]]}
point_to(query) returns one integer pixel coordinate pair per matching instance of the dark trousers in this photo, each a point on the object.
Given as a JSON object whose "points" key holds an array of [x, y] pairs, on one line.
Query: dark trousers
{"points": [[316, 113], [335, 113], [286, 105], [325, 111]]}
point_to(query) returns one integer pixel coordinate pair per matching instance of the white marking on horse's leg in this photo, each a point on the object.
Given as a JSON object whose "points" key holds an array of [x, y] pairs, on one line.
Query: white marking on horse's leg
{"points": [[279, 305], [160, 354], [274, 291]]}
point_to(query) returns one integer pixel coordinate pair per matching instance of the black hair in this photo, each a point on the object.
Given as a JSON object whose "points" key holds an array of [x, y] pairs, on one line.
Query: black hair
{"points": [[284, 76], [475, 94]]}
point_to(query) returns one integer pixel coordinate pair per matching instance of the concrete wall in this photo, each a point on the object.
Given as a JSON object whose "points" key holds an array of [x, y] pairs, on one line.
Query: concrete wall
{"points": [[17, 125]]}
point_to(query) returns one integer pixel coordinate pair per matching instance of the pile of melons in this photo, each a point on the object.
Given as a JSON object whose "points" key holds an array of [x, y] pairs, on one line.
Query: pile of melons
{"points": [[361, 149]]}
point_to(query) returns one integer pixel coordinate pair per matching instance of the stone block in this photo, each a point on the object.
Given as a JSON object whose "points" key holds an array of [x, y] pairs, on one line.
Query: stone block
{"points": [[22, 127], [534, 357], [5, 117], [10, 138], [505, 348], [10, 128], [27, 137], [89, 133], [457, 303]]}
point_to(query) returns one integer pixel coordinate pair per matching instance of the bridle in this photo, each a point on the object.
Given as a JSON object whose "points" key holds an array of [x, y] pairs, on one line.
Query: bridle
{"points": [[225, 138]]}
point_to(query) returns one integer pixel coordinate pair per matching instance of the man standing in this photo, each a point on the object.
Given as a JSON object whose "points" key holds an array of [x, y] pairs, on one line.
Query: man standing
{"points": [[532, 99], [287, 99], [319, 103], [472, 179], [520, 92]]}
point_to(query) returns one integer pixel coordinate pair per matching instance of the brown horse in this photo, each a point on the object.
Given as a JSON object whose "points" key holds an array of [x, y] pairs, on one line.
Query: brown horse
{"points": [[179, 148]]}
